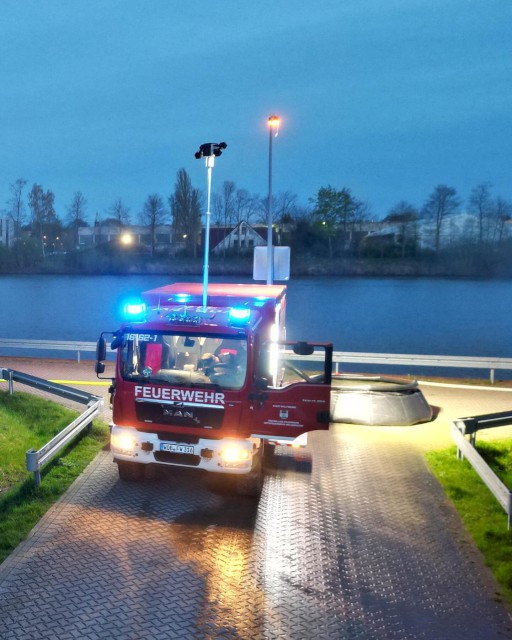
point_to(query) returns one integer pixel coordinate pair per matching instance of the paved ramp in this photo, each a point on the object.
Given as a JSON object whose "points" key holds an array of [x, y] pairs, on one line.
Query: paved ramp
{"points": [[364, 547]]}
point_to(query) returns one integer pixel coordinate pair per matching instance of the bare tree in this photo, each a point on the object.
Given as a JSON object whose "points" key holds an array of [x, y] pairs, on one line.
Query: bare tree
{"points": [[442, 202], [120, 212], [152, 215], [225, 204], [481, 205], [284, 207], [16, 210], [216, 209], [76, 215], [185, 205], [405, 216], [245, 206], [502, 217], [361, 214]]}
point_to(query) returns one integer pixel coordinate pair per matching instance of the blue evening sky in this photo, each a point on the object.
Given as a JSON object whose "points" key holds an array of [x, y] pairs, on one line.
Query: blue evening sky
{"points": [[389, 99]]}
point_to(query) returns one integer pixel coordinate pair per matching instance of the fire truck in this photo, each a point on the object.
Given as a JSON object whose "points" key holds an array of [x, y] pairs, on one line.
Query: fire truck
{"points": [[212, 386]]}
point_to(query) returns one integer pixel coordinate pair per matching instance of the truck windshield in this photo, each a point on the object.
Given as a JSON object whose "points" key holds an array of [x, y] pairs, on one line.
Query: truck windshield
{"points": [[184, 359]]}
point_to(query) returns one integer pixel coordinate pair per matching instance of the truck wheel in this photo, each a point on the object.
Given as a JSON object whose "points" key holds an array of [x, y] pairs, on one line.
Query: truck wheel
{"points": [[131, 471], [269, 455], [251, 484]]}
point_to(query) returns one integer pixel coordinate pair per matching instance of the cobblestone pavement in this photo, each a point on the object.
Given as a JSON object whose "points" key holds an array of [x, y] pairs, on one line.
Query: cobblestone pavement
{"points": [[362, 546]]}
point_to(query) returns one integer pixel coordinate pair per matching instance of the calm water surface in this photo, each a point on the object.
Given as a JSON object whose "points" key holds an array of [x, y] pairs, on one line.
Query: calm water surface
{"points": [[450, 317]]}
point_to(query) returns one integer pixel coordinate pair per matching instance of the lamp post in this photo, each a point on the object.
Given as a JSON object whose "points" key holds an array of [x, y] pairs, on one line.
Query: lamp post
{"points": [[273, 128], [209, 151]]}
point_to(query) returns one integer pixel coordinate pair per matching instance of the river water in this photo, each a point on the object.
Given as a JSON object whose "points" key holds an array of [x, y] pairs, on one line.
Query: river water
{"points": [[389, 315]]}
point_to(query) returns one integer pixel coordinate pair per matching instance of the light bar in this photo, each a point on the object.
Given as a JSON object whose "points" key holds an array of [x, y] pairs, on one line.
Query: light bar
{"points": [[135, 309], [239, 315]]}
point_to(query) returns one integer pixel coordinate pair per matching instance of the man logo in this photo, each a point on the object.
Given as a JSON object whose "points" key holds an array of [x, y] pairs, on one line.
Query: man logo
{"points": [[180, 413]]}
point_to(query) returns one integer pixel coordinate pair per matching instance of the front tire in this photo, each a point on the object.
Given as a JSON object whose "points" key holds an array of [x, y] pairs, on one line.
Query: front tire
{"points": [[250, 484]]}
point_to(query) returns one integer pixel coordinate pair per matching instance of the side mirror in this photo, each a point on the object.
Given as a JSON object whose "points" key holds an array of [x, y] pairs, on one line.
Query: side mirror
{"points": [[261, 384], [303, 349], [101, 354], [101, 349]]}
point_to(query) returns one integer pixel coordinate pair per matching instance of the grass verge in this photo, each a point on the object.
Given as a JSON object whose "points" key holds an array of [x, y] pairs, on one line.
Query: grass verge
{"points": [[481, 513], [27, 421]]}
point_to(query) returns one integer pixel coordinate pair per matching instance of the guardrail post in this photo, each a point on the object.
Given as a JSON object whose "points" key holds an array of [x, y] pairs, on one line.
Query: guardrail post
{"points": [[32, 459], [468, 427], [492, 376], [37, 459], [11, 383]]}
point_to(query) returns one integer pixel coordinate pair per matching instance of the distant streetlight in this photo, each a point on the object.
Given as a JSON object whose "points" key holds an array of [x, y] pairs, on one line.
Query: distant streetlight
{"points": [[126, 239], [273, 128]]}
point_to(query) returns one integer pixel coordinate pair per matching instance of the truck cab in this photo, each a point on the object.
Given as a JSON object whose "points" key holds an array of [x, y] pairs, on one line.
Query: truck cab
{"points": [[212, 386]]}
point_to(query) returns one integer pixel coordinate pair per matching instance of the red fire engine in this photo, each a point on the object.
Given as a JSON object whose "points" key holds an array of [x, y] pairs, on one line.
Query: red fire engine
{"points": [[212, 386]]}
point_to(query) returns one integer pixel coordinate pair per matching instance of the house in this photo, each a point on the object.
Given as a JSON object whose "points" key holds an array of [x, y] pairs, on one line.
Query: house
{"points": [[242, 238], [132, 234], [6, 231]]}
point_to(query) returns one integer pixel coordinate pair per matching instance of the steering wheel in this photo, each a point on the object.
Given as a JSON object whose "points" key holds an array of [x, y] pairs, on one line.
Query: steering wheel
{"points": [[289, 365]]}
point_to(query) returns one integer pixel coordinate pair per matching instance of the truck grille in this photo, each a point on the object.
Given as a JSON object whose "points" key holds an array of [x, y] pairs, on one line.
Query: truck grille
{"points": [[187, 459], [179, 415], [172, 437]]}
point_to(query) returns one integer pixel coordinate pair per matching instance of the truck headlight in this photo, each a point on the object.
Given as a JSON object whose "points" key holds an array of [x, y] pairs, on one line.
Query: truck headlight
{"points": [[123, 443], [234, 455]]}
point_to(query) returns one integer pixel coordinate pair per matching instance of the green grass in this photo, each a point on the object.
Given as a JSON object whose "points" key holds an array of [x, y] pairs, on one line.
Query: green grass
{"points": [[27, 421], [481, 513]]}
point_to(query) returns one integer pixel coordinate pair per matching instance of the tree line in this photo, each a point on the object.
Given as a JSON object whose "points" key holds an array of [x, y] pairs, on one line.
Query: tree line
{"points": [[345, 221], [334, 223]]}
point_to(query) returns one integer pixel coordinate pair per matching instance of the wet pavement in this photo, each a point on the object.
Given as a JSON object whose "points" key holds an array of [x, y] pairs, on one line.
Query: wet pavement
{"points": [[362, 545]]}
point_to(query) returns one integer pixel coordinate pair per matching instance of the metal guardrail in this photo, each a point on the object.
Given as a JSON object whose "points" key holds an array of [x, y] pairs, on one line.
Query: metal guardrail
{"points": [[416, 360], [466, 449], [49, 345], [36, 459], [339, 357]]}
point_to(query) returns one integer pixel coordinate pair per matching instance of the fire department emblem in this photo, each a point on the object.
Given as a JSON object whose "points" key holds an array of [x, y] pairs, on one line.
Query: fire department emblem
{"points": [[283, 414]]}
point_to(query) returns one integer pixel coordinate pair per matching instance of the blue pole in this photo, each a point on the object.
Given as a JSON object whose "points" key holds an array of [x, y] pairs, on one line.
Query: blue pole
{"points": [[210, 161]]}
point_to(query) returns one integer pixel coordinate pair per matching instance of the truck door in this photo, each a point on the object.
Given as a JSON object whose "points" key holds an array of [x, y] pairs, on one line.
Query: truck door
{"points": [[292, 389]]}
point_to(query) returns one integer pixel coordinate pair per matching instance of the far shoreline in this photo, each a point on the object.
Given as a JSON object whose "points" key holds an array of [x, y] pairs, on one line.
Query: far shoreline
{"points": [[141, 265]]}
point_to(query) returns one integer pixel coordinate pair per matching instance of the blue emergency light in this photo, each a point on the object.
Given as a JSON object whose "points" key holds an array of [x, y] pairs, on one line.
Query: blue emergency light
{"points": [[134, 310], [239, 316]]}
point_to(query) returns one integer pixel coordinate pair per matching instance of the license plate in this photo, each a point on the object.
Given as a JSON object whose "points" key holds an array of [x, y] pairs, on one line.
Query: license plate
{"points": [[176, 448]]}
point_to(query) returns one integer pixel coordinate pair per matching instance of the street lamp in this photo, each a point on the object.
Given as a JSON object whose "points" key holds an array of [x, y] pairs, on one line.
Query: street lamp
{"points": [[273, 129], [126, 239], [209, 151]]}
